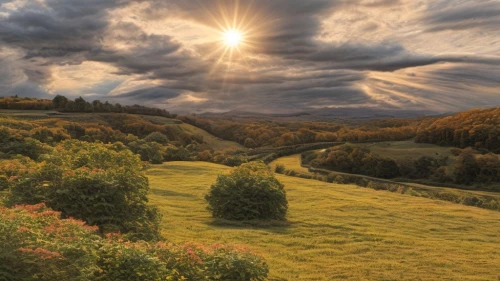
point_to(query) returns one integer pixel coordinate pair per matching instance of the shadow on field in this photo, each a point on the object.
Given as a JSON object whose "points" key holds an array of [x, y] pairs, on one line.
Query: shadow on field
{"points": [[167, 193], [271, 225]]}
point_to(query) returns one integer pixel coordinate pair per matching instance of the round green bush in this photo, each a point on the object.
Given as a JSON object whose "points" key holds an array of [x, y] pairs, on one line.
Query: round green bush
{"points": [[250, 192], [94, 183], [157, 137]]}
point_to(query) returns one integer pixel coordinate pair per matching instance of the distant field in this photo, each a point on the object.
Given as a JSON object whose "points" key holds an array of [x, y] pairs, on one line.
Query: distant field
{"points": [[291, 162], [22, 113], [398, 150], [339, 232]]}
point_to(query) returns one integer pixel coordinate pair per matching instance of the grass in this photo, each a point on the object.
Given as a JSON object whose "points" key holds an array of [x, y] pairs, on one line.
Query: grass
{"points": [[339, 232], [399, 150], [291, 162], [215, 142]]}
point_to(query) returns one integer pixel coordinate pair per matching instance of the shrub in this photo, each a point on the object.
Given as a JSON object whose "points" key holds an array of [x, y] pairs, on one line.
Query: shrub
{"points": [[205, 155], [331, 177], [217, 262], [249, 192], [279, 169], [4, 183], [250, 143], [456, 151], [157, 137], [466, 167], [35, 244], [93, 183], [340, 179]]}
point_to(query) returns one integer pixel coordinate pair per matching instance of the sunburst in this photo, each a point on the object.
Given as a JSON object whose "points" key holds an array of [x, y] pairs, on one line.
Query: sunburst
{"points": [[233, 38]]}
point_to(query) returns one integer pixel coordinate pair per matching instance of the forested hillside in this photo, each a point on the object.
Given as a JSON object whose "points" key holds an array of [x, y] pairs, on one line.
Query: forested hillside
{"points": [[266, 133], [479, 128]]}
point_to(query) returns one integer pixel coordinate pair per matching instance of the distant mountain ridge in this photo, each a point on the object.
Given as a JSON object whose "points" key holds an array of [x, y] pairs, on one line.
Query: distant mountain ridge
{"points": [[329, 113]]}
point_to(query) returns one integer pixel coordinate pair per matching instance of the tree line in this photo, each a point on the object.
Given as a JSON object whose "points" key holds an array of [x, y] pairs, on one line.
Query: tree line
{"points": [[63, 104], [470, 168]]}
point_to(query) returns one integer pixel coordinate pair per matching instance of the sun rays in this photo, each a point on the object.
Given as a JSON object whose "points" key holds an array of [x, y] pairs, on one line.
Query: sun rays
{"points": [[237, 27], [233, 38]]}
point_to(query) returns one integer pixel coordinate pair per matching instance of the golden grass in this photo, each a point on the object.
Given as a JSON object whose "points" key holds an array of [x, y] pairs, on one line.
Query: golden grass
{"points": [[339, 232], [291, 162]]}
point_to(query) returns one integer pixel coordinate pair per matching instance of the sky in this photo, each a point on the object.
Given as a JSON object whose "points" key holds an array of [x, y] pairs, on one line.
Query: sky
{"points": [[294, 55]]}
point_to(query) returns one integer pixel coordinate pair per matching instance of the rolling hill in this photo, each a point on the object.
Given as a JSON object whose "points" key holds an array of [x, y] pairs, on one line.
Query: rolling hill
{"points": [[338, 232]]}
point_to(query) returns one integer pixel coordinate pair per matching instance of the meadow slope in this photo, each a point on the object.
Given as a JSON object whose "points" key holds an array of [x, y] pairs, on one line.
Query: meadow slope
{"points": [[339, 232]]}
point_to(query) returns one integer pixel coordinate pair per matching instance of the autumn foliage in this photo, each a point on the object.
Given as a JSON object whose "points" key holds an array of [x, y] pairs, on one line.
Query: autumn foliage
{"points": [[478, 128], [35, 244]]}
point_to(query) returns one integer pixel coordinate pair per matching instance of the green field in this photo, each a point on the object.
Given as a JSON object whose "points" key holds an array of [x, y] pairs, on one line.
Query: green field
{"points": [[339, 232], [399, 150]]}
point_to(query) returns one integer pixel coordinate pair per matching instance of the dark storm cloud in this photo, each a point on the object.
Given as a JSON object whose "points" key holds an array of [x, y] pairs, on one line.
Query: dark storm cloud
{"points": [[56, 32], [381, 3], [150, 94], [56, 29], [144, 53], [465, 15], [73, 31]]}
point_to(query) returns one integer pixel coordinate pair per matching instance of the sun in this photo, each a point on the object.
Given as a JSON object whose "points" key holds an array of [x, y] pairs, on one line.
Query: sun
{"points": [[233, 38]]}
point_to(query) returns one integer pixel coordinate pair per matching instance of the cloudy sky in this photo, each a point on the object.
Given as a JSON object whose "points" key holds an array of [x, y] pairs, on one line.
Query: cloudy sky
{"points": [[438, 55]]}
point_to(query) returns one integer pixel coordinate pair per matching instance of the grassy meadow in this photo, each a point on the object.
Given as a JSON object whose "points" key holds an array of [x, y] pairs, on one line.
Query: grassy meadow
{"points": [[399, 150], [214, 142], [291, 162], [338, 232]]}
